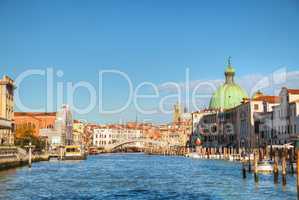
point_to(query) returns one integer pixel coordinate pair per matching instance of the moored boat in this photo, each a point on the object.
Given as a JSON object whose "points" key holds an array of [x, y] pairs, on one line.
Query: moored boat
{"points": [[74, 153], [265, 166], [193, 155]]}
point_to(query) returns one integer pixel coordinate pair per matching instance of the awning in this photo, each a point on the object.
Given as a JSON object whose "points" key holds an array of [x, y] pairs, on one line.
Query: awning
{"points": [[5, 124]]}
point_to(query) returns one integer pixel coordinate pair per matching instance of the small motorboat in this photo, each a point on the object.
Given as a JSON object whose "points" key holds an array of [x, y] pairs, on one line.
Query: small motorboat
{"points": [[193, 155], [265, 166]]}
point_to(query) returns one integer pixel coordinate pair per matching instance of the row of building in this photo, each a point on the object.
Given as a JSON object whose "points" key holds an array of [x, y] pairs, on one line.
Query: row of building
{"points": [[139, 134], [59, 128], [235, 120]]}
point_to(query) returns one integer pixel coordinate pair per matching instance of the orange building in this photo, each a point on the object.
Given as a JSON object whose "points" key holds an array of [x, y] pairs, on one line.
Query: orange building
{"points": [[37, 120]]}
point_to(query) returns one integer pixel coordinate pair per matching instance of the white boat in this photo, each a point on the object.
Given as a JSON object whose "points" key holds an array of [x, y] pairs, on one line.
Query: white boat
{"points": [[265, 166], [193, 155]]}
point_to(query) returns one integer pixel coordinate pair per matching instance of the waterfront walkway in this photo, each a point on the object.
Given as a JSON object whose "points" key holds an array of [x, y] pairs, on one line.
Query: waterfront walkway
{"points": [[12, 156]]}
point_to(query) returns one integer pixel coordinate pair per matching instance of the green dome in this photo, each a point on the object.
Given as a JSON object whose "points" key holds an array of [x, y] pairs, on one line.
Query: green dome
{"points": [[229, 94]]}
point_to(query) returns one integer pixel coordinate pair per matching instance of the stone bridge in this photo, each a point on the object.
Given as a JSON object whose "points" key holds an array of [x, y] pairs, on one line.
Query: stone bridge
{"points": [[143, 141]]}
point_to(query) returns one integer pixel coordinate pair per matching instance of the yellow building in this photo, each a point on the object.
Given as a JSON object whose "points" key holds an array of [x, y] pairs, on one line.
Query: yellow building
{"points": [[6, 111], [78, 131]]}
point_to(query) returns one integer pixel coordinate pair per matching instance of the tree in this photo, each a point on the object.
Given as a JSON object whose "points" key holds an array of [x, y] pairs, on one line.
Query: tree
{"points": [[24, 135]]}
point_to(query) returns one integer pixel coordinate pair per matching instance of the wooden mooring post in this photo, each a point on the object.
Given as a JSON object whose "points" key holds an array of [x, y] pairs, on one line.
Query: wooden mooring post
{"points": [[61, 152], [297, 164], [244, 170], [284, 169], [297, 172], [275, 169], [249, 162], [256, 178], [291, 157]]}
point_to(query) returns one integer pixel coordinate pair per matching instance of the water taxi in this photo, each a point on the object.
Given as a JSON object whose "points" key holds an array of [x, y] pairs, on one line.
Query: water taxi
{"points": [[74, 153]]}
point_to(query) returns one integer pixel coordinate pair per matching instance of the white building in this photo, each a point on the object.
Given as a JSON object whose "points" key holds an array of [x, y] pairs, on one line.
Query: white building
{"points": [[104, 136], [285, 117], [109, 136], [64, 124], [61, 133]]}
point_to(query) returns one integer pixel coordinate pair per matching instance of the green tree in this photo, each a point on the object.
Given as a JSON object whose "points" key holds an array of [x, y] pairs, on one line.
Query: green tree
{"points": [[24, 135]]}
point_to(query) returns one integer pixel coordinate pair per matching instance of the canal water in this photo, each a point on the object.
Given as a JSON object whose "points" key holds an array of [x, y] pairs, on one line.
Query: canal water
{"points": [[138, 176]]}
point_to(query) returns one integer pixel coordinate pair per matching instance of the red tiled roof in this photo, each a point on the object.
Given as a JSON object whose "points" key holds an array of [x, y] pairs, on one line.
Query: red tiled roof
{"points": [[34, 113], [269, 99], [293, 91]]}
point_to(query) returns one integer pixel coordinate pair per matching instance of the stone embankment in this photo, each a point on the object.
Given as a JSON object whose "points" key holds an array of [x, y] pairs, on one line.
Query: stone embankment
{"points": [[11, 157]]}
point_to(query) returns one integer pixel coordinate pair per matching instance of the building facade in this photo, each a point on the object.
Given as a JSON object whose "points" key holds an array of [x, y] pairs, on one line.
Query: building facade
{"points": [[280, 125], [62, 132], [6, 111], [234, 120], [107, 136], [64, 124], [236, 127], [78, 132], [37, 120]]}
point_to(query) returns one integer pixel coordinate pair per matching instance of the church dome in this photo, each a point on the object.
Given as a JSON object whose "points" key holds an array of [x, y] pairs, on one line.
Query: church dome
{"points": [[229, 94]]}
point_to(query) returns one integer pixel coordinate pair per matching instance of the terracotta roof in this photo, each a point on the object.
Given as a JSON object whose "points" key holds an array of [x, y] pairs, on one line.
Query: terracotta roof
{"points": [[77, 121], [293, 91], [269, 99], [34, 113]]}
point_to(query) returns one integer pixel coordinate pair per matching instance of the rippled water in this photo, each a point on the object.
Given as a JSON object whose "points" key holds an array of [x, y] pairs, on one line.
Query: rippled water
{"points": [[138, 176]]}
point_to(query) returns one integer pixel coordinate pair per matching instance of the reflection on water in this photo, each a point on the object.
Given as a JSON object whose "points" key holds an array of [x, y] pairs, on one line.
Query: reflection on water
{"points": [[137, 176]]}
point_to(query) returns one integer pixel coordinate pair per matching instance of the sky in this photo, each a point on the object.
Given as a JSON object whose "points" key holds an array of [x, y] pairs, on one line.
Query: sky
{"points": [[151, 42]]}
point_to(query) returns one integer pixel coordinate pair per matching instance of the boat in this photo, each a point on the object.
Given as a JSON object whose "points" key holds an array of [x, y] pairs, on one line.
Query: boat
{"points": [[93, 151], [265, 166], [74, 152], [193, 155]]}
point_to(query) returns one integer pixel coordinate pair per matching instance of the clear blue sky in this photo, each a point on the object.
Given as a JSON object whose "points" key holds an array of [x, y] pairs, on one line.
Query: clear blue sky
{"points": [[150, 40]]}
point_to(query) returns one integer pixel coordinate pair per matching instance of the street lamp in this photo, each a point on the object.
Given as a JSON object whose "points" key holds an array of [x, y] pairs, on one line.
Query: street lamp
{"points": [[30, 146]]}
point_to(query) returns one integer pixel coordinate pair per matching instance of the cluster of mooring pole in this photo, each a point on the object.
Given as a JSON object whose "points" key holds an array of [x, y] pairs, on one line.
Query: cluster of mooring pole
{"points": [[285, 156]]}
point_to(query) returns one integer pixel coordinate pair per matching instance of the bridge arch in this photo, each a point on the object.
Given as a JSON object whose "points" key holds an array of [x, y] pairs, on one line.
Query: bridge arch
{"points": [[124, 142]]}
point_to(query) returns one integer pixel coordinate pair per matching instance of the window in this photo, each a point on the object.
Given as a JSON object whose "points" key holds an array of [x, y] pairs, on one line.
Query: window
{"points": [[256, 106]]}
